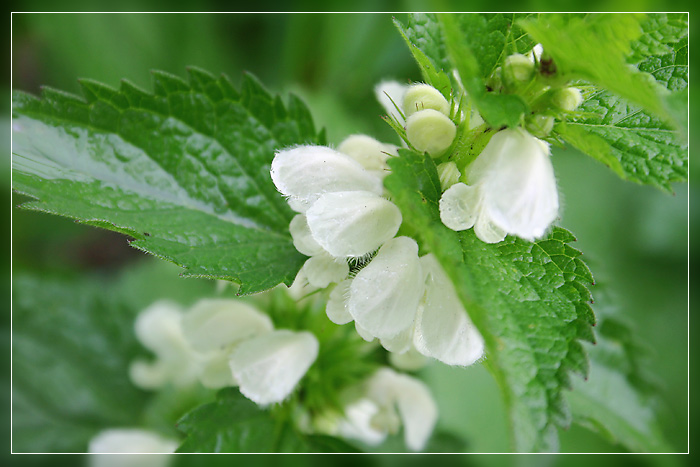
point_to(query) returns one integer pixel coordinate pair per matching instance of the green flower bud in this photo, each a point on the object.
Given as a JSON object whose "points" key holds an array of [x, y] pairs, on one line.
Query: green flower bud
{"points": [[517, 69], [430, 131], [423, 96], [567, 99], [540, 125], [449, 174]]}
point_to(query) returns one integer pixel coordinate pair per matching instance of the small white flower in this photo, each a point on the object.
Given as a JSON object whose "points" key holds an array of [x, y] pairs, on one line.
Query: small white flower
{"points": [[337, 306], [133, 441], [384, 296], [423, 96], [323, 269], [158, 328], [268, 367], [301, 237], [442, 328], [305, 173], [430, 131], [512, 190], [369, 152], [352, 223]]}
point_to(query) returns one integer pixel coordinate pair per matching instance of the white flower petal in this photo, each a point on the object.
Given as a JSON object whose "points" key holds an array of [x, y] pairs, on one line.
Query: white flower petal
{"points": [[442, 329], [158, 327], [268, 367], [486, 230], [323, 269], [337, 306], [364, 333], [459, 206], [352, 223], [306, 172], [369, 152], [357, 423], [216, 372], [301, 237], [384, 296], [390, 94], [400, 343], [130, 440], [214, 324], [411, 360]]}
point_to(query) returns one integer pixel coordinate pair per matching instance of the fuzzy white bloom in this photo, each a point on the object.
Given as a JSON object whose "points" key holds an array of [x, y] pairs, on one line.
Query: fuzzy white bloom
{"points": [[369, 152], [390, 400], [305, 173], [133, 442], [442, 328], [384, 296], [268, 367], [159, 329], [512, 190]]}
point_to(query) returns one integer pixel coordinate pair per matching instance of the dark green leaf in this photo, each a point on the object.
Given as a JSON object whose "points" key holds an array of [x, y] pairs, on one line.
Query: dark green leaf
{"points": [[530, 301], [185, 171], [235, 424]]}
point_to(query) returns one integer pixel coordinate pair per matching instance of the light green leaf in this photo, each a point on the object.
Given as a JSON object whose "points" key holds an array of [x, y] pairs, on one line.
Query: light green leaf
{"points": [[634, 143], [72, 344], [185, 171], [595, 48], [616, 399], [235, 424], [659, 30], [530, 301]]}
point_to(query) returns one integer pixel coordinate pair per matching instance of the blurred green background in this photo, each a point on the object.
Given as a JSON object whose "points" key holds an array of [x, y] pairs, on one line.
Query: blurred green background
{"points": [[634, 238]]}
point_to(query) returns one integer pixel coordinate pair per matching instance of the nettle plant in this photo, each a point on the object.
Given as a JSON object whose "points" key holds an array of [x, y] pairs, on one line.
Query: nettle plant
{"points": [[444, 247]]}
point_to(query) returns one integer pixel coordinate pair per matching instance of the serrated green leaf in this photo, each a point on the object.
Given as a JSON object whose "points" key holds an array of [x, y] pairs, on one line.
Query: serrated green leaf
{"points": [[235, 424], [185, 170], [72, 344], [659, 30], [634, 143], [616, 400], [530, 301], [596, 47]]}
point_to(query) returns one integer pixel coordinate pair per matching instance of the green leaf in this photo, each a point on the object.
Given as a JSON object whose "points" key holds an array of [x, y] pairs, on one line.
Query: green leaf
{"points": [[235, 424], [72, 344], [659, 30], [530, 301], [616, 400], [595, 48], [185, 170], [634, 143], [474, 45]]}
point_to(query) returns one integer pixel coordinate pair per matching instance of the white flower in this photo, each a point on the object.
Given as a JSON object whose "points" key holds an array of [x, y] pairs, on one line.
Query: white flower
{"points": [[369, 152], [134, 441], [305, 173], [268, 367], [323, 269], [512, 190], [423, 96], [384, 296], [390, 400], [430, 131], [442, 328], [158, 328]]}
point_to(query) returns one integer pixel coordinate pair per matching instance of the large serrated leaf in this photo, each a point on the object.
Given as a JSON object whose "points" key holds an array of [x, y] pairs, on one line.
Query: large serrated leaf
{"points": [[530, 301], [184, 170], [235, 424], [636, 144], [659, 30]]}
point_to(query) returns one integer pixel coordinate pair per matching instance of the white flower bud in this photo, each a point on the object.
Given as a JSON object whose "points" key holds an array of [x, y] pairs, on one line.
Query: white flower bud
{"points": [[352, 223], [134, 441], [390, 96], [384, 296], [305, 173], [442, 328], [515, 178], [567, 99], [268, 367], [430, 131], [540, 125], [368, 151], [301, 237], [423, 96], [215, 324], [337, 306], [517, 69], [323, 269], [449, 174]]}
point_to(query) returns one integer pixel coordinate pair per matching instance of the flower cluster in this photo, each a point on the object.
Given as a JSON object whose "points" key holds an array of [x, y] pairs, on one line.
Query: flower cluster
{"points": [[221, 343], [379, 406], [404, 300]]}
